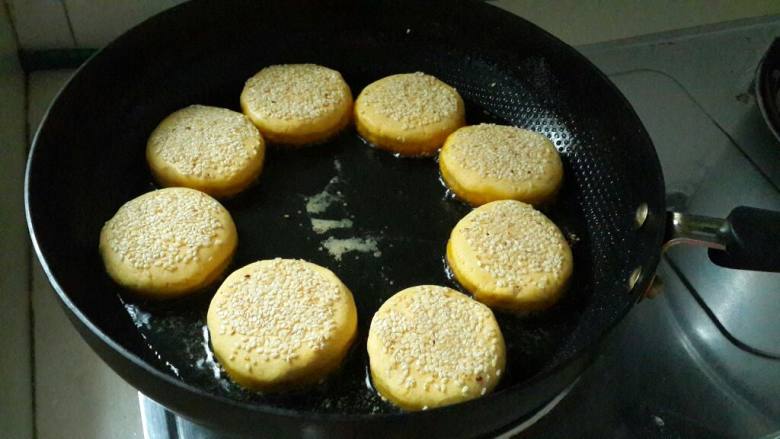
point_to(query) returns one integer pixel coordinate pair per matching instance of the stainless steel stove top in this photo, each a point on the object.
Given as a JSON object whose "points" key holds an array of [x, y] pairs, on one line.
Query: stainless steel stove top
{"points": [[680, 365]]}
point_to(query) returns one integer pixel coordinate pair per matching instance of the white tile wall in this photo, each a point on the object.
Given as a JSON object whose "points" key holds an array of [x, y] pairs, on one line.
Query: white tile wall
{"points": [[76, 394], [16, 416], [41, 24]]}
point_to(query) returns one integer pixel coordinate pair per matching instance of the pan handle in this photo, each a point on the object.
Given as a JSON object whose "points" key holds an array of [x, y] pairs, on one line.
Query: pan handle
{"points": [[748, 239]]}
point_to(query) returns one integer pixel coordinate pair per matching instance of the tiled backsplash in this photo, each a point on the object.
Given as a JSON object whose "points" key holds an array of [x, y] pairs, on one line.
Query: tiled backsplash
{"points": [[40, 24], [48, 24], [95, 24], [55, 24]]}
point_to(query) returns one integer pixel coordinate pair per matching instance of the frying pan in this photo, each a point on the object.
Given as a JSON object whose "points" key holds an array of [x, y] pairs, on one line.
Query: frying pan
{"points": [[88, 159]]}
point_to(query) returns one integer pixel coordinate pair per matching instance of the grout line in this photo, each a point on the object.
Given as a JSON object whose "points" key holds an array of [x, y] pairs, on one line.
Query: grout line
{"points": [[11, 20], [31, 314], [70, 23], [30, 265], [28, 129]]}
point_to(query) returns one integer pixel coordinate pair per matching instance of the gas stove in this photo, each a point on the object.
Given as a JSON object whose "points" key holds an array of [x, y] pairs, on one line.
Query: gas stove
{"points": [[701, 359]]}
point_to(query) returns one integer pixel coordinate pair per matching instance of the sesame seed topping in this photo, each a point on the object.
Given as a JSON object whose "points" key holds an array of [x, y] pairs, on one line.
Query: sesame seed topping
{"points": [[503, 152], [284, 306], [512, 240], [206, 142], [165, 228], [295, 91], [437, 334], [412, 99]]}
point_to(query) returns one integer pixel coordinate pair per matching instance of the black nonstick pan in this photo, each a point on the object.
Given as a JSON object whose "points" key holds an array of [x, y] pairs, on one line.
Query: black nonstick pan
{"points": [[88, 159]]}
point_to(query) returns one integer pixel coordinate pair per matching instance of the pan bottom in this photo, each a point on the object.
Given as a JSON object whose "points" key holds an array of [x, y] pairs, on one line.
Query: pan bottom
{"points": [[381, 224]]}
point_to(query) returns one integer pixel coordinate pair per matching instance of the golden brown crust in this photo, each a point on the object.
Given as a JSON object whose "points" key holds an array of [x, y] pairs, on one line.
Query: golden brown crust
{"points": [[409, 114], [214, 150], [281, 324], [510, 257], [168, 243], [297, 104], [484, 163], [432, 346]]}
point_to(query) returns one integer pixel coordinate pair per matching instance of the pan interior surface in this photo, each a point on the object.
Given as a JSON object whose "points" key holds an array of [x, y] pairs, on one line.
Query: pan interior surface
{"points": [[379, 222]]}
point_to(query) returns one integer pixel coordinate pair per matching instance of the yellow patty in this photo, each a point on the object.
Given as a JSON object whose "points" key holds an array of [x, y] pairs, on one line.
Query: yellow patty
{"points": [[211, 149], [432, 346], [410, 114], [510, 256], [280, 324], [297, 104], [487, 162], [168, 243]]}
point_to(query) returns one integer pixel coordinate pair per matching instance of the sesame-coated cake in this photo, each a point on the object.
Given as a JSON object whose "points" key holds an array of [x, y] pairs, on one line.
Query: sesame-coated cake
{"points": [[409, 114], [487, 162], [281, 323], [510, 256], [297, 104], [168, 243], [215, 150], [431, 346]]}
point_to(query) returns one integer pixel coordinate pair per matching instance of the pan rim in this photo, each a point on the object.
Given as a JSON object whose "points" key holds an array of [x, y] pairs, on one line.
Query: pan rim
{"points": [[649, 264]]}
